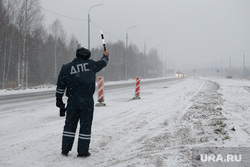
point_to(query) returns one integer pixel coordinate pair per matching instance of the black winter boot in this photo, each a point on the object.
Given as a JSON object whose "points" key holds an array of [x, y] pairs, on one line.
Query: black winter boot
{"points": [[65, 153], [83, 155]]}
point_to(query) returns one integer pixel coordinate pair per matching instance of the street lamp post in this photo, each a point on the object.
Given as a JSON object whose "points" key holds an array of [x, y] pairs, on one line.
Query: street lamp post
{"points": [[89, 23], [145, 47], [126, 53], [144, 54]]}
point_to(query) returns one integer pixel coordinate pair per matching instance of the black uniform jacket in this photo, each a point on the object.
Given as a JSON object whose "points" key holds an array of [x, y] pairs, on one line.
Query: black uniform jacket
{"points": [[78, 77]]}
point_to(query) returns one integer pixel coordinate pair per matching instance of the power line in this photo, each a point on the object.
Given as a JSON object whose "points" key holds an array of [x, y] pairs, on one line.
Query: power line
{"points": [[62, 15], [82, 20], [105, 31], [71, 18]]}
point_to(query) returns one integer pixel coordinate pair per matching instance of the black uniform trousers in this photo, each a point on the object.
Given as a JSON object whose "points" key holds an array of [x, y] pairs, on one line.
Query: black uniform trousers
{"points": [[78, 109]]}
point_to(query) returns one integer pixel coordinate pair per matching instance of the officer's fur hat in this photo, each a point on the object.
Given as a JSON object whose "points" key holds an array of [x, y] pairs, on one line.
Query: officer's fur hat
{"points": [[83, 53]]}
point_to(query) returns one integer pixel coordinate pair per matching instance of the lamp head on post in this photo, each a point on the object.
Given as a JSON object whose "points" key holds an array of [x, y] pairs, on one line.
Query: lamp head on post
{"points": [[89, 23]]}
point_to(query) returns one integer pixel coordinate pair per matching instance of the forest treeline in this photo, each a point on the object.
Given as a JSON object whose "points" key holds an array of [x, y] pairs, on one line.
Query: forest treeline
{"points": [[32, 54]]}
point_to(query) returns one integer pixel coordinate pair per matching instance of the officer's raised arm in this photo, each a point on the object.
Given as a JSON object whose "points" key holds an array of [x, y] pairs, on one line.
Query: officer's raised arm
{"points": [[106, 53], [102, 63]]}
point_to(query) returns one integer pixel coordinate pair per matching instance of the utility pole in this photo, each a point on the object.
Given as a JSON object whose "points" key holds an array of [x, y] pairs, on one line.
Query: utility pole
{"points": [[169, 67], [221, 67], [26, 48], [229, 72], [145, 46], [244, 66], [166, 66], [126, 53], [161, 66], [24, 44]]}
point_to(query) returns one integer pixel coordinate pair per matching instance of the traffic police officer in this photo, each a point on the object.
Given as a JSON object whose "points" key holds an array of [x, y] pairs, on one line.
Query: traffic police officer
{"points": [[78, 80]]}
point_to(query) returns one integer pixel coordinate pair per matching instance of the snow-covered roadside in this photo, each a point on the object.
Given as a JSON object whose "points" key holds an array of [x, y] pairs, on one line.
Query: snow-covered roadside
{"points": [[40, 88], [160, 129], [236, 109]]}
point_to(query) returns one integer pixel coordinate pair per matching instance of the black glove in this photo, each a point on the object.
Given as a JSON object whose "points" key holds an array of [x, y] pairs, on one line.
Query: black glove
{"points": [[62, 111], [59, 103]]}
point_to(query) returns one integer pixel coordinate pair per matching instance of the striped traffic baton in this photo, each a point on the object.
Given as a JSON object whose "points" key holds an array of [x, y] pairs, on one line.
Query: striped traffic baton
{"points": [[103, 41]]}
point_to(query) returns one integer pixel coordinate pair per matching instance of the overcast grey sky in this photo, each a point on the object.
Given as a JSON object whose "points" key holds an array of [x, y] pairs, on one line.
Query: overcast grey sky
{"points": [[193, 33]]}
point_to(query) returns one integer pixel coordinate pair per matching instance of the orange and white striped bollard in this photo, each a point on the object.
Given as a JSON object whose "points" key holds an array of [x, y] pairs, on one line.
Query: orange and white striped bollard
{"points": [[100, 91], [137, 88]]}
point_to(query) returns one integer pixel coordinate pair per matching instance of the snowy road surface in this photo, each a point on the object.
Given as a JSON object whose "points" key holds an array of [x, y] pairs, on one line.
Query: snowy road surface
{"points": [[35, 93], [158, 130]]}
